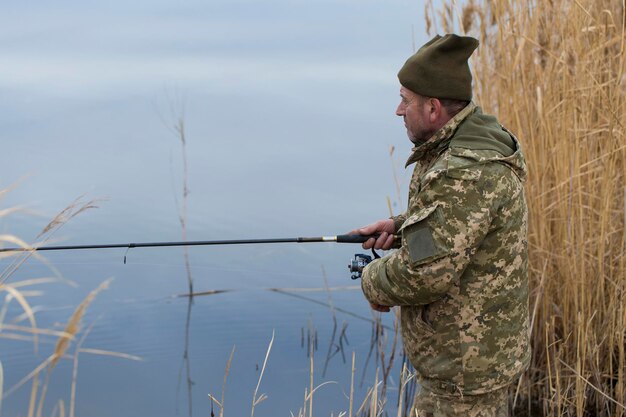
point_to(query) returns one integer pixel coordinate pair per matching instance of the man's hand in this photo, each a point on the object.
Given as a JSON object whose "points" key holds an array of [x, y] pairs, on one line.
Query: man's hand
{"points": [[385, 240], [378, 307]]}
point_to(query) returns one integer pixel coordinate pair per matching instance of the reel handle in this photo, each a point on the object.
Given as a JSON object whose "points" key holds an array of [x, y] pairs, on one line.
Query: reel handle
{"points": [[355, 238]]}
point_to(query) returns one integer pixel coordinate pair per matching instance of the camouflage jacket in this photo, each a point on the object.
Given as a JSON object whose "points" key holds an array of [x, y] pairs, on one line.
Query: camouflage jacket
{"points": [[460, 276]]}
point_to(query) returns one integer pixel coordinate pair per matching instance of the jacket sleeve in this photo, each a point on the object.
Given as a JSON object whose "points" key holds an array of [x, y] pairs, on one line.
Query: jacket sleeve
{"points": [[398, 221], [445, 225]]}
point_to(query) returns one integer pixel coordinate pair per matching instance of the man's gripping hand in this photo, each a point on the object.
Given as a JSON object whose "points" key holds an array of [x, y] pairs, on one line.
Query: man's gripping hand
{"points": [[385, 240]]}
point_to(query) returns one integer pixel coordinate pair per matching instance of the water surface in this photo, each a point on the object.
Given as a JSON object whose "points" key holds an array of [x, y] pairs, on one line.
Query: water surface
{"points": [[288, 110]]}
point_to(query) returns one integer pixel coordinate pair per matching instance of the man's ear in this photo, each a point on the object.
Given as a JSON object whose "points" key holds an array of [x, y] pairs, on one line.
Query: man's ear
{"points": [[435, 110]]}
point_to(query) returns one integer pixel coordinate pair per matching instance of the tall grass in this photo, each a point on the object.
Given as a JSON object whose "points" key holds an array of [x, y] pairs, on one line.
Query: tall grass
{"points": [[374, 402], [9, 320], [553, 72]]}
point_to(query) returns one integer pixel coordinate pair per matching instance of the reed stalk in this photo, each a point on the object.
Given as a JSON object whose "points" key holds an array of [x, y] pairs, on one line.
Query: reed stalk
{"points": [[256, 398], [352, 384], [179, 128], [554, 73], [15, 291], [1, 384], [226, 371]]}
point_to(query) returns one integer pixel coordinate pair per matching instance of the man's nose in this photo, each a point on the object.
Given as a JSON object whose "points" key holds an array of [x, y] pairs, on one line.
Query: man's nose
{"points": [[400, 110]]}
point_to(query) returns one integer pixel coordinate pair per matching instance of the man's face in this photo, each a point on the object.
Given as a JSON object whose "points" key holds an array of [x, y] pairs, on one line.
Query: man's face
{"points": [[414, 111]]}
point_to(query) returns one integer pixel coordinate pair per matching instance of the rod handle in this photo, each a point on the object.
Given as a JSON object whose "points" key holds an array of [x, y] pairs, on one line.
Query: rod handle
{"points": [[355, 238]]}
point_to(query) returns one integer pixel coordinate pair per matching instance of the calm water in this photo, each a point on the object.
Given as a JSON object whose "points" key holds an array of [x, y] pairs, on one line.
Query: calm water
{"points": [[140, 315], [289, 119]]}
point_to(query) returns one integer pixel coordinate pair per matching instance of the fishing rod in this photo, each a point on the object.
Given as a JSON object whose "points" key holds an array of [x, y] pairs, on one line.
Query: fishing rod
{"points": [[337, 239], [356, 266]]}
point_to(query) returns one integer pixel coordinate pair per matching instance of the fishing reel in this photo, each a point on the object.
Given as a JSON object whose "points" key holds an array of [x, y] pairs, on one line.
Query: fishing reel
{"points": [[359, 262]]}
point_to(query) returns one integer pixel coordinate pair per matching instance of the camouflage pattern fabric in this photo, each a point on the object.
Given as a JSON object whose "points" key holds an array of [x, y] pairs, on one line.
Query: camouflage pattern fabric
{"points": [[430, 404], [460, 276]]}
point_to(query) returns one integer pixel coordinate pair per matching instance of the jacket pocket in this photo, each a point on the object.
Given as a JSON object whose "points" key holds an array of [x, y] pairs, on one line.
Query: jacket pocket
{"points": [[416, 328], [422, 325]]}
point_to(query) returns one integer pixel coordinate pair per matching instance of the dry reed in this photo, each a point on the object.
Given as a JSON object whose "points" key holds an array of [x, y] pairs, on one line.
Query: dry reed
{"points": [[77, 207], [176, 124], [73, 325], [230, 360], [15, 291], [1, 384], [180, 131], [373, 403], [256, 398], [553, 72], [63, 343]]}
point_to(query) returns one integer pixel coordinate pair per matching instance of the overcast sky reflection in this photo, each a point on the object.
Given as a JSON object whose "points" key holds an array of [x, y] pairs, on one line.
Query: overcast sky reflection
{"points": [[289, 108]]}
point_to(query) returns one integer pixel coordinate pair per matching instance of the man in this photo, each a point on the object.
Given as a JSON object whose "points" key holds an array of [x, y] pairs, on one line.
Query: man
{"points": [[460, 272]]}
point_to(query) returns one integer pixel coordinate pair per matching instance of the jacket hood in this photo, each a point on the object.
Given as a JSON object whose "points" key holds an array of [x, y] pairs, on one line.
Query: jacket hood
{"points": [[481, 138]]}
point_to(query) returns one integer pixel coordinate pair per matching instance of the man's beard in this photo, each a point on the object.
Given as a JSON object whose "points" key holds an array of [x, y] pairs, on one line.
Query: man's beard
{"points": [[420, 140], [417, 142]]}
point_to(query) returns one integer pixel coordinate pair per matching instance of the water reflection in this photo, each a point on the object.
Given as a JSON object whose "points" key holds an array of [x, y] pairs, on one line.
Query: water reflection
{"points": [[186, 345], [185, 365], [178, 128]]}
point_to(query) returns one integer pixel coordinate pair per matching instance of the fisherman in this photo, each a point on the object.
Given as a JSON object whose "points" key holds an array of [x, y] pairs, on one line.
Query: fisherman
{"points": [[460, 274]]}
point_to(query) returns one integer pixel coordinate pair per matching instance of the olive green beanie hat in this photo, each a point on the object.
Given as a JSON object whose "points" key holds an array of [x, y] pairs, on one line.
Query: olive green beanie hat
{"points": [[440, 69]]}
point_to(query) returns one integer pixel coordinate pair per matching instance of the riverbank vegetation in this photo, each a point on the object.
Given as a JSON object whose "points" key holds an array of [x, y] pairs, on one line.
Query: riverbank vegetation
{"points": [[553, 72]]}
